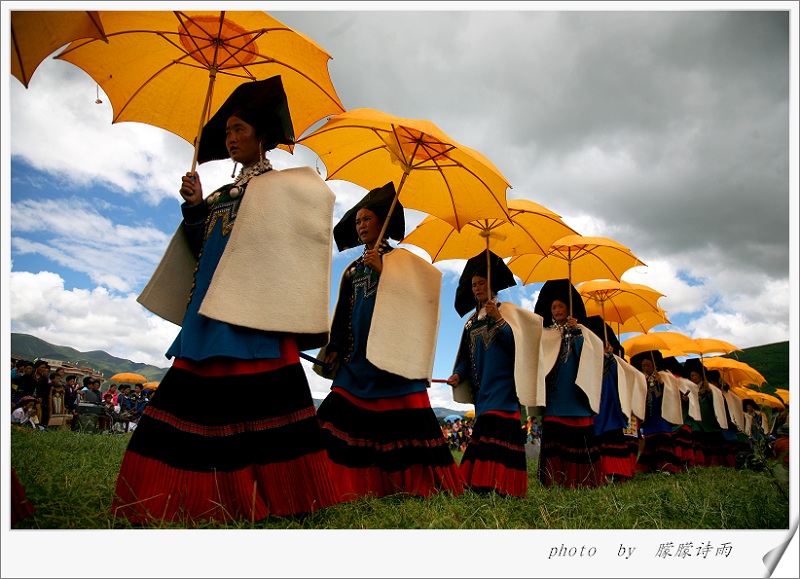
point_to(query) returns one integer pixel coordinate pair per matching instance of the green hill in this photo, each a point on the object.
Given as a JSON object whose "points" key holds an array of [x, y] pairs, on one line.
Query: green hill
{"points": [[30, 347]]}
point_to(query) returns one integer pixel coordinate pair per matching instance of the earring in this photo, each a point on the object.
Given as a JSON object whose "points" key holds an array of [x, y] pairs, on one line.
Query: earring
{"points": [[233, 173]]}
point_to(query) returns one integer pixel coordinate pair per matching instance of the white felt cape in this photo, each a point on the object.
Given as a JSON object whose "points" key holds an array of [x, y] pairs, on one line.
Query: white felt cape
{"points": [[719, 405], [632, 389], [690, 389], [735, 408], [590, 365], [529, 370], [275, 272], [671, 410], [405, 321]]}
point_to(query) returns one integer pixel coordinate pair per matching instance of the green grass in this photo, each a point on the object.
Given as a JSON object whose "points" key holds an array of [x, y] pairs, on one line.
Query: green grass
{"points": [[70, 478]]}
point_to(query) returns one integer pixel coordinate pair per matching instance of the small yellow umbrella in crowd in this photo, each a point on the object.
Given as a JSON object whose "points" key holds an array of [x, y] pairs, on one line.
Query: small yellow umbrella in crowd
{"points": [[128, 378], [783, 395]]}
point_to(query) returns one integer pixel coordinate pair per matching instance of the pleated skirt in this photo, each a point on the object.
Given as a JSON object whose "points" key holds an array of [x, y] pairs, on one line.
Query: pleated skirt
{"points": [[684, 447], [570, 453], [385, 446], [711, 447], [494, 460], [227, 440], [659, 453], [615, 455]]}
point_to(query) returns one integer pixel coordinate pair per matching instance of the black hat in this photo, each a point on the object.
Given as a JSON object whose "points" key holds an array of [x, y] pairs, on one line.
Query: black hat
{"points": [[671, 364], [500, 279], [692, 365], [261, 104], [658, 357], [595, 324], [379, 201], [559, 289]]}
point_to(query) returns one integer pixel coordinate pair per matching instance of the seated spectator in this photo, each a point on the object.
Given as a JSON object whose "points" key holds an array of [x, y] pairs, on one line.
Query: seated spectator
{"points": [[25, 413], [110, 416]]}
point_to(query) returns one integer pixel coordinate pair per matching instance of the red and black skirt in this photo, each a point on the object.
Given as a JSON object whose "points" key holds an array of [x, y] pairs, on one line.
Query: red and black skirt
{"points": [[494, 460], [659, 453], [21, 507], [684, 446], [227, 440], [570, 454], [384, 446], [615, 455]]}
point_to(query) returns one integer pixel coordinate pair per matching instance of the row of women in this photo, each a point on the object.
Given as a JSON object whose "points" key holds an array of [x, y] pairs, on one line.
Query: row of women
{"points": [[250, 298]]}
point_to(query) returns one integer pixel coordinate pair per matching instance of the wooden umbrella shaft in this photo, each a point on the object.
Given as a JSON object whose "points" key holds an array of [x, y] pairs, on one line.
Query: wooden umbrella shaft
{"points": [[212, 76], [391, 210]]}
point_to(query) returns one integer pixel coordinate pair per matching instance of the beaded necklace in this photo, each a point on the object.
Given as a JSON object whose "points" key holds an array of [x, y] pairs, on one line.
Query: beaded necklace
{"points": [[244, 177]]}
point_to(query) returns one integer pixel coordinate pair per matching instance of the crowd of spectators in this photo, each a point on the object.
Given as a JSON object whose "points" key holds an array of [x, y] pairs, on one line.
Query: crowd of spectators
{"points": [[43, 399]]}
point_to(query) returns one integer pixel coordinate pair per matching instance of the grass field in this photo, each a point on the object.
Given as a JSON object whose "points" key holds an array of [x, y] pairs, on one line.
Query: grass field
{"points": [[70, 478]]}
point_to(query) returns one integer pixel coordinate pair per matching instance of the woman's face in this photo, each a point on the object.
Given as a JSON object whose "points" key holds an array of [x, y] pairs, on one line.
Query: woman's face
{"points": [[647, 366], [368, 226], [241, 142], [695, 377], [560, 311], [480, 289]]}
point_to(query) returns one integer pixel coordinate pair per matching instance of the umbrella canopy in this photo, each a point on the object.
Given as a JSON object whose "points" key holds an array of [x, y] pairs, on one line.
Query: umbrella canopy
{"points": [[618, 301], [128, 378], [641, 323], [173, 69], [501, 279], [783, 395], [734, 372], [469, 414], [668, 343], [577, 258], [758, 397], [36, 34], [712, 346], [530, 228], [151, 386], [452, 417], [431, 172]]}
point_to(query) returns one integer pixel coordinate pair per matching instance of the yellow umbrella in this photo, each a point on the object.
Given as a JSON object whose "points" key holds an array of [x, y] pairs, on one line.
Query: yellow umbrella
{"points": [[712, 346], [128, 378], [617, 301], [174, 69], [577, 258], [758, 397], [735, 372], [469, 414], [529, 228], [642, 323], [783, 395], [36, 34], [668, 343], [431, 172]]}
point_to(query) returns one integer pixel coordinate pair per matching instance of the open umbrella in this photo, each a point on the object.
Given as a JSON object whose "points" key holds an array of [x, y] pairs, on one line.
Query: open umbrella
{"points": [[734, 372], [36, 34], [469, 414], [758, 397], [668, 343], [173, 69], [783, 395], [452, 417], [641, 323], [128, 378], [431, 172], [576, 258], [616, 300]]}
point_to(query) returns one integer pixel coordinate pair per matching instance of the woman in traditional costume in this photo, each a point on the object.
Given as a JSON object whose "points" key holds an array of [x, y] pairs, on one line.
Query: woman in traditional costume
{"points": [[610, 422], [378, 426], [253, 303], [570, 454], [659, 452], [494, 459]]}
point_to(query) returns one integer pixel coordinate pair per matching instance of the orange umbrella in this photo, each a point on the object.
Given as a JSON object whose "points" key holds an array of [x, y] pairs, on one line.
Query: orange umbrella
{"points": [[174, 69], [783, 395], [576, 258], [642, 323], [758, 397], [735, 372], [668, 343], [431, 171], [128, 378], [36, 34]]}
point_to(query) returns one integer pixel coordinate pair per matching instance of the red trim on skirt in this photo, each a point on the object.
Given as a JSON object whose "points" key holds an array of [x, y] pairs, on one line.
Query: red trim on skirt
{"points": [[413, 400], [233, 366], [570, 457], [21, 507]]}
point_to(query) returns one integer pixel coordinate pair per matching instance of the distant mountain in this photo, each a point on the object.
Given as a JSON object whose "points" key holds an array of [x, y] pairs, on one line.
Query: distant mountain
{"points": [[30, 347], [772, 360]]}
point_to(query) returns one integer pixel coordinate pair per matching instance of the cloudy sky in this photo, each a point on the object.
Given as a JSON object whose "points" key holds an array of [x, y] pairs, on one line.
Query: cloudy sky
{"points": [[666, 129]]}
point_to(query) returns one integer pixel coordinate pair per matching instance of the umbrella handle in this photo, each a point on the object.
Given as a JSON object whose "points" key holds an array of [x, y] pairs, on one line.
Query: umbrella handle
{"points": [[391, 210], [212, 76]]}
